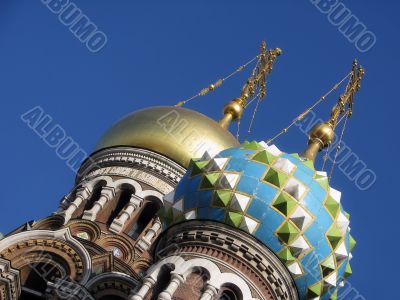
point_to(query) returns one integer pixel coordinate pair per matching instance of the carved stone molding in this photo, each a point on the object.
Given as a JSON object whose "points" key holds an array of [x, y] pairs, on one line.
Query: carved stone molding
{"points": [[10, 287], [136, 158], [235, 248], [36, 244]]}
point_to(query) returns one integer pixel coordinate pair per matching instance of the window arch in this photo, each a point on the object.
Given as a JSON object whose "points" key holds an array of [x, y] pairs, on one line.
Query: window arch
{"points": [[34, 278], [148, 212], [125, 195], [229, 292], [96, 193]]}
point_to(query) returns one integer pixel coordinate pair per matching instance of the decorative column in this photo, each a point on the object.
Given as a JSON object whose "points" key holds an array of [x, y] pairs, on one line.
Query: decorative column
{"points": [[209, 293], [10, 280], [82, 195], [145, 242], [118, 224], [107, 193], [64, 203], [147, 284], [176, 281]]}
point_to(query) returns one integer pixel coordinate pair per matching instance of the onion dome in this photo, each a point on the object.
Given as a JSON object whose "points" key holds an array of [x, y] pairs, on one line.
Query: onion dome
{"points": [[278, 198], [175, 132]]}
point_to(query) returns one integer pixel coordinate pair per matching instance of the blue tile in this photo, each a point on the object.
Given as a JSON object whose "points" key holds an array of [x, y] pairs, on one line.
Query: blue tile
{"points": [[254, 169], [271, 218], [205, 198], [342, 268], [310, 264], [189, 202], [247, 185], [266, 192], [217, 214], [323, 249], [314, 234], [302, 176], [312, 204], [272, 242], [290, 157], [324, 219], [317, 190], [236, 164], [211, 214], [256, 208], [301, 284]]}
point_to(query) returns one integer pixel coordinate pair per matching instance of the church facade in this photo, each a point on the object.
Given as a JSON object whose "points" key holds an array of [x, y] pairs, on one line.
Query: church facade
{"points": [[171, 206]]}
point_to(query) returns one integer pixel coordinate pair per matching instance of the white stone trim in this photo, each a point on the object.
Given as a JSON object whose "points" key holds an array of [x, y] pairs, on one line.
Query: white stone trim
{"points": [[62, 234]]}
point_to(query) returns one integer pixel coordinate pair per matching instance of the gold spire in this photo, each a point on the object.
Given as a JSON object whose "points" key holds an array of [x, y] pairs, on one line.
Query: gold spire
{"points": [[321, 135], [257, 81]]}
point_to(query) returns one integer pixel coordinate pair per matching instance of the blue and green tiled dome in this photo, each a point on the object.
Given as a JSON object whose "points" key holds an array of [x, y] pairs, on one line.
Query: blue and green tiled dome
{"points": [[282, 201]]}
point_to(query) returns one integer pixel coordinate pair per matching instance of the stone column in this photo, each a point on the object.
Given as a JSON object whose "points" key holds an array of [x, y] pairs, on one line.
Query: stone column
{"points": [[147, 284], [107, 193], [176, 281], [145, 242], [209, 293], [134, 203], [82, 195]]}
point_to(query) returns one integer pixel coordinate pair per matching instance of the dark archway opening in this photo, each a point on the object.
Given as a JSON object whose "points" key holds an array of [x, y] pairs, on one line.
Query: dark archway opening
{"points": [[123, 200], [148, 212]]}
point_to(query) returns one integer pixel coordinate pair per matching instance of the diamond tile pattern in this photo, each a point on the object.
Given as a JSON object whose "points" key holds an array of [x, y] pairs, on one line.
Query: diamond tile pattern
{"points": [[278, 198]]}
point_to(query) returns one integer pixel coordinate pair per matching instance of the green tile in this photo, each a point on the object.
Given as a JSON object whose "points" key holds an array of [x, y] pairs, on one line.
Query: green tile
{"points": [[276, 178], [234, 219], [348, 271], [209, 180], [264, 157], [287, 232], [328, 266], [334, 296], [352, 243], [322, 180], [198, 167], [252, 145], [285, 203], [334, 236], [286, 256], [222, 198], [314, 291], [332, 206]]}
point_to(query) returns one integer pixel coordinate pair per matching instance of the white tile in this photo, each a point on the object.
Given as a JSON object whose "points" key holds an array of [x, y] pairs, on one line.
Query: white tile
{"points": [[295, 188], [301, 218], [284, 165], [239, 202], [335, 194], [191, 215], [249, 225], [295, 269], [299, 246]]}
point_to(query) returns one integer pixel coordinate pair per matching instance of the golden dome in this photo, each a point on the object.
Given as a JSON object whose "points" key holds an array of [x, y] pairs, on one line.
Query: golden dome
{"points": [[175, 132]]}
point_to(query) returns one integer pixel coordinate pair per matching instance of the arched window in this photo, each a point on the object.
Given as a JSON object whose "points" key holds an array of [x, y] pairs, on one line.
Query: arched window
{"points": [[148, 212], [34, 278], [123, 200], [96, 193], [163, 279], [229, 293]]}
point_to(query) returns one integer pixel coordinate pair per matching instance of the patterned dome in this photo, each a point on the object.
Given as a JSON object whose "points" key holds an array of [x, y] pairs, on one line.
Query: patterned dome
{"points": [[279, 199]]}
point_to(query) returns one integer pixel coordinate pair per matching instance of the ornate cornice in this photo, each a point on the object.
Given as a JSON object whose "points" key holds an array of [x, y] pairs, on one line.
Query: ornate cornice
{"points": [[135, 158]]}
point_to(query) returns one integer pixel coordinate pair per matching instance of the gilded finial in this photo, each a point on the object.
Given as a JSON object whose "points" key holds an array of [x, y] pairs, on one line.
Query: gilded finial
{"points": [[322, 135], [256, 82]]}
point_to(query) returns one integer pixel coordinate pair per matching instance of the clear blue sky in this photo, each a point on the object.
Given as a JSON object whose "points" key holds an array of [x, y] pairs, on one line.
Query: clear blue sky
{"points": [[160, 52]]}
